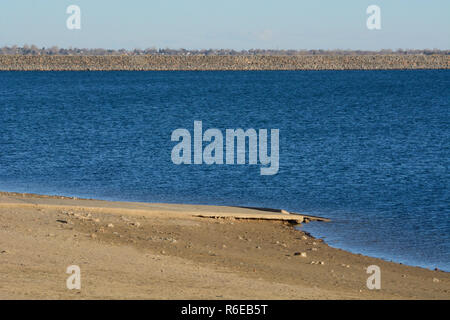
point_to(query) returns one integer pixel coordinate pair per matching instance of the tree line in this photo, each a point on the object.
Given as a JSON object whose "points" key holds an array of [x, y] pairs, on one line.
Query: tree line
{"points": [[36, 51]]}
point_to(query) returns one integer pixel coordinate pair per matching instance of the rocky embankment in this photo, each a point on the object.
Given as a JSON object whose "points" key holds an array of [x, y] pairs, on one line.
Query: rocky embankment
{"points": [[156, 62]]}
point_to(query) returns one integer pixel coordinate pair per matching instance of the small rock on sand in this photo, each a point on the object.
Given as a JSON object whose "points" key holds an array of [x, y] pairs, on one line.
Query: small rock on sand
{"points": [[110, 225], [301, 254]]}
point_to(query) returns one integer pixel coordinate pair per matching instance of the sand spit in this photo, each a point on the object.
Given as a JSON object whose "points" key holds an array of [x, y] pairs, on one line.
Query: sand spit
{"points": [[24, 200], [156, 62], [164, 251]]}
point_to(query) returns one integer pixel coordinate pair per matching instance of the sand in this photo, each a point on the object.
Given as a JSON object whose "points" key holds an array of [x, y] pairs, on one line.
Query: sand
{"points": [[162, 251]]}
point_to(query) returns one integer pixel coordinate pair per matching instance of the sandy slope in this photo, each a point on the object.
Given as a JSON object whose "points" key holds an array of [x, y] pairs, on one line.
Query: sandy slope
{"points": [[156, 251]]}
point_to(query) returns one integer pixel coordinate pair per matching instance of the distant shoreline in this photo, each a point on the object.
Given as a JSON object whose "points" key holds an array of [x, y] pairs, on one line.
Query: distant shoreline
{"points": [[219, 63]]}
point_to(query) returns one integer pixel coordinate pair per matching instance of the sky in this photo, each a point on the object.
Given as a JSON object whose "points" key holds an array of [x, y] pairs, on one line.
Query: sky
{"points": [[231, 24]]}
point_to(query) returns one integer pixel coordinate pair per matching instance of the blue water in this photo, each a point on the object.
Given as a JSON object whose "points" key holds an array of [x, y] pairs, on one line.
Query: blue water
{"points": [[368, 149]]}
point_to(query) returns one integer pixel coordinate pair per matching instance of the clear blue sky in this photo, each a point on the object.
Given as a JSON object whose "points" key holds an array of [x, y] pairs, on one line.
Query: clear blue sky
{"points": [[236, 24]]}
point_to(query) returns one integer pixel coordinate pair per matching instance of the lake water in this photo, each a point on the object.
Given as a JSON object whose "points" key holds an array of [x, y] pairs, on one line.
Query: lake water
{"points": [[368, 149]]}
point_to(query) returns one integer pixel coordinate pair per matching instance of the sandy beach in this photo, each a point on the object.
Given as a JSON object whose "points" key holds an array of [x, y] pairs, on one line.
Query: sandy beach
{"points": [[163, 251]]}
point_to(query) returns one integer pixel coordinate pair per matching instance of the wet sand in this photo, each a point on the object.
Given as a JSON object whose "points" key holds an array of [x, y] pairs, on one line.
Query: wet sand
{"points": [[164, 251]]}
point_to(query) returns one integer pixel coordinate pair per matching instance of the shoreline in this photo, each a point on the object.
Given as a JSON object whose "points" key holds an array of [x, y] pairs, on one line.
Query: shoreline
{"points": [[222, 63], [161, 251], [137, 208], [377, 255], [297, 220]]}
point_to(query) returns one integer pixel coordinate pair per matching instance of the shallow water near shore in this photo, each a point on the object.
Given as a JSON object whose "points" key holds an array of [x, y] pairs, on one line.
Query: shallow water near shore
{"points": [[368, 149]]}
